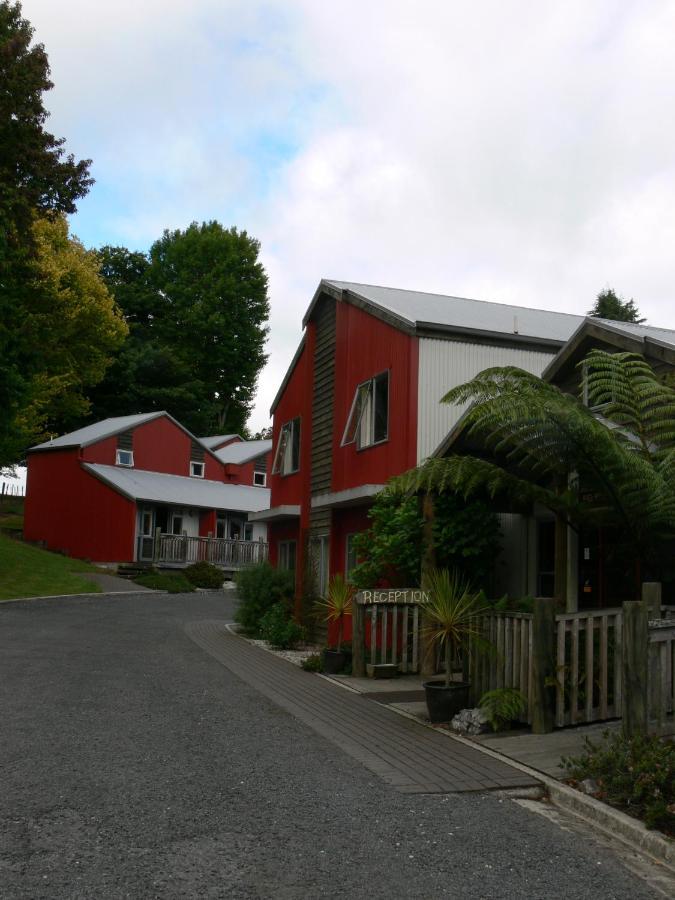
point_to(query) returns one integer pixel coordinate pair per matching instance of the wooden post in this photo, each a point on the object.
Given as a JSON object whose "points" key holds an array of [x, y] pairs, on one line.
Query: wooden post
{"points": [[358, 640], [426, 650], [543, 665], [635, 659], [651, 595], [156, 544], [560, 574]]}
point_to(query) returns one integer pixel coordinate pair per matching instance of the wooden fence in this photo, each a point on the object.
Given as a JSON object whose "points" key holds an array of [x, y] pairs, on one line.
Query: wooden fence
{"points": [[661, 672], [9, 491], [571, 668], [181, 550]]}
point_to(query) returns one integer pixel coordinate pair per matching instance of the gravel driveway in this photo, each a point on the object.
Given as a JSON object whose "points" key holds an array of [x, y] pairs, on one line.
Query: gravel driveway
{"points": [[132, 764]]}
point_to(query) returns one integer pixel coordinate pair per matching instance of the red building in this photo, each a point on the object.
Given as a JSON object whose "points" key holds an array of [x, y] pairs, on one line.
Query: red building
{"points": [[360, 403], [143, 489]]}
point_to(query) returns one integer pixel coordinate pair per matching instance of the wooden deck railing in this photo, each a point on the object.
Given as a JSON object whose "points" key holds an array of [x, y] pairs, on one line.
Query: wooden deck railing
{"points": [[661, 671], [181, 550]]}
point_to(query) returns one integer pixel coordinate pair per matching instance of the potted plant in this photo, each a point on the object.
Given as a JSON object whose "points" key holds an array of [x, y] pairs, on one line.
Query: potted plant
{"points": [[333, 608], [451, 618]]}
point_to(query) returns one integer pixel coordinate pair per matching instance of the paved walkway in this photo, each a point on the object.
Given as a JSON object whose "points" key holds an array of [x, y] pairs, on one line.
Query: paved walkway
{"points": [[114, 584], [413, 759]]}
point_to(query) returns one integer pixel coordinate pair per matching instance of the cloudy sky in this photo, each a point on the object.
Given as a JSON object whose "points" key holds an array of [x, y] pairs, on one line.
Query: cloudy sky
{"points": [[521, 151]]}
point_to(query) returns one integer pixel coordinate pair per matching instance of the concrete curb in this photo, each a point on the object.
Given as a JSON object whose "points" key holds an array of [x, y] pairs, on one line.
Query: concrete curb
{"points": [[89, 595], [612, 822]]}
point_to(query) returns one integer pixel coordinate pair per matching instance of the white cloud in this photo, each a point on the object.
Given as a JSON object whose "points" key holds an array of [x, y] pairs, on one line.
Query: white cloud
{"points": [[518, 151]]}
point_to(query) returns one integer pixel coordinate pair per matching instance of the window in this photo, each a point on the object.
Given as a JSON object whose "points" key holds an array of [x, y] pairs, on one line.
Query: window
{"points": [[177, 525], [368, 421], [221, 526], [319, 548], [125, 457], [259, 479], [350, 554], [287, 457], [196, 469], [287, 552], [248, 531]]}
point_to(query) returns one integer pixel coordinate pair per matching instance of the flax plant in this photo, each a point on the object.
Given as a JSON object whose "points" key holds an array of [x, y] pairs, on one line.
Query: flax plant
{"points": [[452, 616], [336, 605]]}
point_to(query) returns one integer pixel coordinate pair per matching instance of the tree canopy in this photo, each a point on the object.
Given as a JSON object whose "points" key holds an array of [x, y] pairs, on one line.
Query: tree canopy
{"points": [[73, 318], [37, 179], [608, 463], [608, 305], [197, 309]]}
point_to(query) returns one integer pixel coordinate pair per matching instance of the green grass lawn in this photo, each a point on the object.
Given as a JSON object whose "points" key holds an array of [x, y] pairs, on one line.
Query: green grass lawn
{"points": [[26, 571]]}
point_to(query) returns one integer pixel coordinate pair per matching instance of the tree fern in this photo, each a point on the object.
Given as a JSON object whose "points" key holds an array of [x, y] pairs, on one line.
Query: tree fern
{"points": [[611, 462]]}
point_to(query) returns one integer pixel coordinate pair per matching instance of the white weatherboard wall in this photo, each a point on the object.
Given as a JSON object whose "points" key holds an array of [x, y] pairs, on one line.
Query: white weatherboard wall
{"points": [[443, 364]]}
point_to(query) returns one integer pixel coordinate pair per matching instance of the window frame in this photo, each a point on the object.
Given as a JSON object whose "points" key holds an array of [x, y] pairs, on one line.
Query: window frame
{"points": [[264, 479], [285, 447], [118, 461], [197, 462], [366, 400], [283, 554]]}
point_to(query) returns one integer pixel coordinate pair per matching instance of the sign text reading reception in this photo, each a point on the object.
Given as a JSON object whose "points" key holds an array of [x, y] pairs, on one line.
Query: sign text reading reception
{"points": [[393, 596]]}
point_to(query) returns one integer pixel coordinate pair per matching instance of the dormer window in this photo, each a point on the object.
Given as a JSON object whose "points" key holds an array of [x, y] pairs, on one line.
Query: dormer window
{"points": [[259, 479], [287, 456], [196, 469], [368, 421], [125, 458]]}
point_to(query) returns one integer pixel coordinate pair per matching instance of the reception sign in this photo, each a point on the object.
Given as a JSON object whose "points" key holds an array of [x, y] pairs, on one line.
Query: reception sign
{"points": [[392, 596]]}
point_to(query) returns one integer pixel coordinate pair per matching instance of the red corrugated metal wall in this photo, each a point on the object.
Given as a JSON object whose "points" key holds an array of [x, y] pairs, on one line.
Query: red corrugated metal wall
{"points": [[74, 512], [365, 347]]}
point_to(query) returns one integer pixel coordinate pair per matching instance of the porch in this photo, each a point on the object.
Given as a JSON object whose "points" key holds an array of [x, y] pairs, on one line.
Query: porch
{"points": [[180, 550]]}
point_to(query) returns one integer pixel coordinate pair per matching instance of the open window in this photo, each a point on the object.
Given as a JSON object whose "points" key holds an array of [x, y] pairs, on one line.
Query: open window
{"points": [[368, 421], [287, 456]]}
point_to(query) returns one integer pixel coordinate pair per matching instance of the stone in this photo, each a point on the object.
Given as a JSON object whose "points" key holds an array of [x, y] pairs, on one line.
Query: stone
{"points": [[589, 786], [470, 721]]}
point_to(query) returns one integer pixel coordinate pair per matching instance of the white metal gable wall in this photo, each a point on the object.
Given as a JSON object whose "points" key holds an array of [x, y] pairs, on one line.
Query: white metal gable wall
{"points": [[444, 364]]}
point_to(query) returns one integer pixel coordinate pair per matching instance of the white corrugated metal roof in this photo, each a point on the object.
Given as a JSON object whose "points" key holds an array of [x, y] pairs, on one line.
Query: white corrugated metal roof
{"points": [[243, 452], [96, 432], [418, 308], [158, 487], [665, 335], [215, 440]]}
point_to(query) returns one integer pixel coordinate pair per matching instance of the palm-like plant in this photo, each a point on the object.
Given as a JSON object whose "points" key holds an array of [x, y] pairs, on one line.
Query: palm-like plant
{"points": [[605, 458], [452, 617], [336, 605]]}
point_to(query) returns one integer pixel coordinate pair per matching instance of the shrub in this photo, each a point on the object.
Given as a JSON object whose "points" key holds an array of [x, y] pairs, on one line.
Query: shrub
{"points": [[502, 706], [313, 663], [173, 582], [205, 575], [636, 774], [259, 588], [278, 628]]}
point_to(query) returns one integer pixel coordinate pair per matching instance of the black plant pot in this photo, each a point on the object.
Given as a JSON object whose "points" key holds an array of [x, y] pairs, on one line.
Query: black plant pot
{"points": [[334, 661], [444, 702]]}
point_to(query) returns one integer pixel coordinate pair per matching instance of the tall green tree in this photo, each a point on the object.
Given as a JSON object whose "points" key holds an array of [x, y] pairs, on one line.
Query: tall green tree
{"points": [[74, 320], [608, 305], [610, 463], [197, 309], [37, 178]]}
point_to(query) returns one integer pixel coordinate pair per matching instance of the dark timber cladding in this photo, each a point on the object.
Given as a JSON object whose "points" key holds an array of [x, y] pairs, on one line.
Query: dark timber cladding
{"points": [[322, 408]]}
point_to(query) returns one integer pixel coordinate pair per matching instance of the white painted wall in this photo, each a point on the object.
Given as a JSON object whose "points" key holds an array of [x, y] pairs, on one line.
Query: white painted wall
{"points": [[444, 364]]}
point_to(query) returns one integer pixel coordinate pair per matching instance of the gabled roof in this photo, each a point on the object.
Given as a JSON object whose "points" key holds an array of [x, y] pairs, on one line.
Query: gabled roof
{"points": [[243, 452], [216, 440], [91, 434], [157, 487], [419, 312], [656, 344]]}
